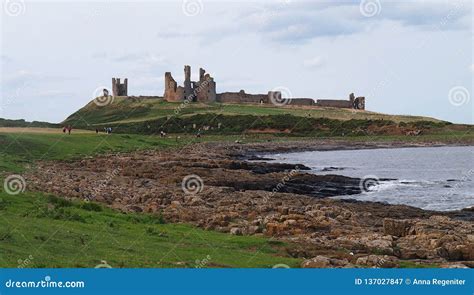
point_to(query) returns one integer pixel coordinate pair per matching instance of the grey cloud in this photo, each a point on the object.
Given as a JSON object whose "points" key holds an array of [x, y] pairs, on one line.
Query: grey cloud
{"points": [[27, 78], [145, 59], [449, 15], [300, 22]]}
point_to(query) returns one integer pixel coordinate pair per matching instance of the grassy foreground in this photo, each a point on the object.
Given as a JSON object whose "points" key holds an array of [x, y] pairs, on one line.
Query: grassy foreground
{"points": [[40, 230]]}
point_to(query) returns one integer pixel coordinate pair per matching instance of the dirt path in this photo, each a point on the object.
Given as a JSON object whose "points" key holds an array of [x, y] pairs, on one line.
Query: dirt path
{"points": [[39, 130]]}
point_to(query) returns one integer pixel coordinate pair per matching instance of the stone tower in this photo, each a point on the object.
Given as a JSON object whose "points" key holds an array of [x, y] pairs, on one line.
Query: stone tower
{"points": [[359, 103], [173, 92], [352, 100], [205, 88], [119, 89], [188, 89]]}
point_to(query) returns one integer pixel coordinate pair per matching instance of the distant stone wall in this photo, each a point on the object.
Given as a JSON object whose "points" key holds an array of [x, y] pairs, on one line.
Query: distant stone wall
{"points": [[242, 97], [334, 103], [302, 102]]}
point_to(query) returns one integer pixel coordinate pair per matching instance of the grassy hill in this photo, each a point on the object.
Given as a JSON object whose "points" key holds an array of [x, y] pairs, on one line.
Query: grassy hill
{"points": [[132, 109], [26, 124], [133, 115]]}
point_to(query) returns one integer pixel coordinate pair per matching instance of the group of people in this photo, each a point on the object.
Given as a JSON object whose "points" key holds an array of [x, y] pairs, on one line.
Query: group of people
{"points": [[68, 129], [107, 130]]}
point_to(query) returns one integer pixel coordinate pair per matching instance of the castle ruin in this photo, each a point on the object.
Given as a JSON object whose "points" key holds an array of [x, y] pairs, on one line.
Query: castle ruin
{"points": [[119, 89], [204, 90]]}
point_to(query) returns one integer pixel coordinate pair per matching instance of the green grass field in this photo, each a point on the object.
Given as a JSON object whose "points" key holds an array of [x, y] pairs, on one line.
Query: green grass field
{"points": [[38, 230], [21, 150]]}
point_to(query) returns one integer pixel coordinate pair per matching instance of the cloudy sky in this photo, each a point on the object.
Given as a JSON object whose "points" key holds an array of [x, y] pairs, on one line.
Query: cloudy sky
{"points": [[406, 58]]}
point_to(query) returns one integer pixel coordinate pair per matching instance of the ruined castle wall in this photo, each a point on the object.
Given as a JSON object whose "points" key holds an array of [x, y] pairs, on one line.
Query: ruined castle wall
{"points": [[205, 89], [114, 87], [179, 94], [172, 91], [212, 93], [302, 102], [124, 87], [359, 103], [119, 89], [242, 97], [334, 103], [188, 89]]}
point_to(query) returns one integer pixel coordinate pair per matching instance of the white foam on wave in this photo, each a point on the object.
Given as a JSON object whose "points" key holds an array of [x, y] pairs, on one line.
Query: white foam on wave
{"points": [[394, 184]]}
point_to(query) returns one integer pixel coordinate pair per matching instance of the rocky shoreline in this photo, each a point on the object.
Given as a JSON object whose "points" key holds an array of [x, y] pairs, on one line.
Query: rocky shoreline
{"points": [[225, 187]]}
